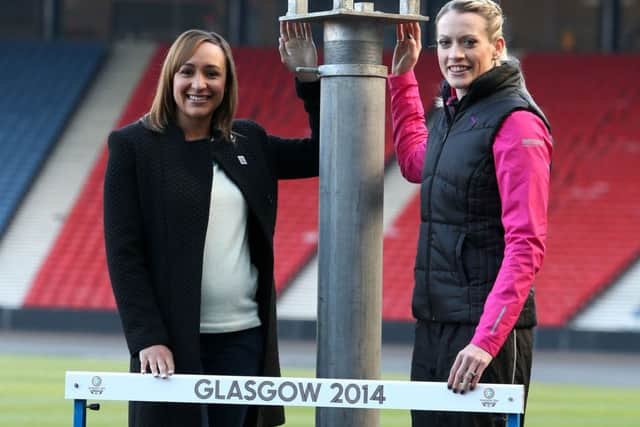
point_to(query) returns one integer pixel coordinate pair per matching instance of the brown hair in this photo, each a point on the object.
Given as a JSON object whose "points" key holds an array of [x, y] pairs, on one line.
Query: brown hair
{"points": [[163, 107]]}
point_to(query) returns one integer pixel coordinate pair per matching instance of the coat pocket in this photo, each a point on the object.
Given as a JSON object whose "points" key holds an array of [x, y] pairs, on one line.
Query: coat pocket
{"points": [[462, 274]]}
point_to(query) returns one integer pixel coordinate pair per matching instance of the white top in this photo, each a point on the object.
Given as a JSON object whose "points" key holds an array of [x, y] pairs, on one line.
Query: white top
{"points": [[229, 279]]}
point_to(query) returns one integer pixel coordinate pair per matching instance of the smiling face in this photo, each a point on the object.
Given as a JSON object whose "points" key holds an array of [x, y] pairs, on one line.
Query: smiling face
{"points": [[199, 88], [464, 49]]}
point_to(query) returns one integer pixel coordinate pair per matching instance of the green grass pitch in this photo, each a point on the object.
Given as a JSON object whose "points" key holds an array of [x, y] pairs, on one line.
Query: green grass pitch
{"points": [[32, 394]]}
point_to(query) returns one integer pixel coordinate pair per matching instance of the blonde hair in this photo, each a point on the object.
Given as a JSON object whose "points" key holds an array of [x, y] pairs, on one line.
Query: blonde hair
{"points": [[489, 10], [163, 107]]}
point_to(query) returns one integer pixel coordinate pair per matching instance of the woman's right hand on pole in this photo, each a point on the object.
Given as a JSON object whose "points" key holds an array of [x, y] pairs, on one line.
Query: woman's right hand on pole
{"points": [[408, 47], [297, 49], [159, 360]]}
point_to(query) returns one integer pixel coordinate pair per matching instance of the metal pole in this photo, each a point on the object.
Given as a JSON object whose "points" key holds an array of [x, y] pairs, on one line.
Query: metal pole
{"points": [[352, 118], [342, 4], [609, 25], [176, 17], [513, 420], [350, 242], [50, 17], [410, 7], [79, 413], [297, 7], [351, 194], [237, 22]]}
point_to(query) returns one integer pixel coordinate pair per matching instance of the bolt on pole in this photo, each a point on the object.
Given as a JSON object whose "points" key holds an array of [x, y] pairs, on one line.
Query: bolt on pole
{"points": [[352, 120]]}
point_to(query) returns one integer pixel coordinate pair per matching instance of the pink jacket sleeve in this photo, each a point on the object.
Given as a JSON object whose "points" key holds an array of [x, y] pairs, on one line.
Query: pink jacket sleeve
{"points": [[408, 124], [522, 155]]}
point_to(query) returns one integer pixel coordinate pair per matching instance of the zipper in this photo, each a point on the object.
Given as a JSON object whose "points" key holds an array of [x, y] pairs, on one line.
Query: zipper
{"points": [[515, 356]]}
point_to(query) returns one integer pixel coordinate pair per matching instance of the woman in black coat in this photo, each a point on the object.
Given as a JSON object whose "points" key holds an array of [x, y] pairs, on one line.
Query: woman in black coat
{"points": [[189, 213]]}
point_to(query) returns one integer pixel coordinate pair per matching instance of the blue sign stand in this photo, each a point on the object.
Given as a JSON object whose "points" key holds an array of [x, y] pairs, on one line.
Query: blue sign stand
{"points": [[79, 413]]}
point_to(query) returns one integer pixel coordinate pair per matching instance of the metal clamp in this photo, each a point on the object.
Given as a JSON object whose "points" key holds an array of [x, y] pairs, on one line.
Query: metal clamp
{"points": [[360, 70], [333, 70]]}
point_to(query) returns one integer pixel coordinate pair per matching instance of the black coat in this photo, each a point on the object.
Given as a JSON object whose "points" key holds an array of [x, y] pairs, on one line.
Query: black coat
{"points": [[156, 208]]}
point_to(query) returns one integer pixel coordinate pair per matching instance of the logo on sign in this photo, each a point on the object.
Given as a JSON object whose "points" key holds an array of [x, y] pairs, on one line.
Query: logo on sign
{"points": [[96, 385], [488, 401]]}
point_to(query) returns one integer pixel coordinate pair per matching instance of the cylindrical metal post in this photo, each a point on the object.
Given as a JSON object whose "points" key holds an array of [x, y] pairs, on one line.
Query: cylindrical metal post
{"points": [[342, 4], [410, 7], [297, 7], [363, 7], [50, 19], [609, 25], [359, 42], [352, 118]]}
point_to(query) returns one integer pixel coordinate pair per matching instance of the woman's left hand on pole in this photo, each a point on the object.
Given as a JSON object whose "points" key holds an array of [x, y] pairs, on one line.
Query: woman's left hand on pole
{"points": [[297, 49], [408, 47], [467, 369]]}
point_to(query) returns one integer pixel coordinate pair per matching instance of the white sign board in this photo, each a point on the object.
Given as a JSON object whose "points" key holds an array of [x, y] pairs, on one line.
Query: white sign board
{"points": [[324, 392]]}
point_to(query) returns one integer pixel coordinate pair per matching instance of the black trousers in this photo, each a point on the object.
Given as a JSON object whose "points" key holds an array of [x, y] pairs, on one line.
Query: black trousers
{"points": [[435, 348], [232, 353]]}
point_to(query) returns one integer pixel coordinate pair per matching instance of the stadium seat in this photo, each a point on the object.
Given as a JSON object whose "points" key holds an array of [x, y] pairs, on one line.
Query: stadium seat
{"points": [[41, 85]]}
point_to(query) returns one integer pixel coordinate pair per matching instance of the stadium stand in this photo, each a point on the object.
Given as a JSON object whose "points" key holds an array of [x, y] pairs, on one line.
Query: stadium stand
{"points": [[41, 84], [74, 274], [593, 103], [592, 180]]}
